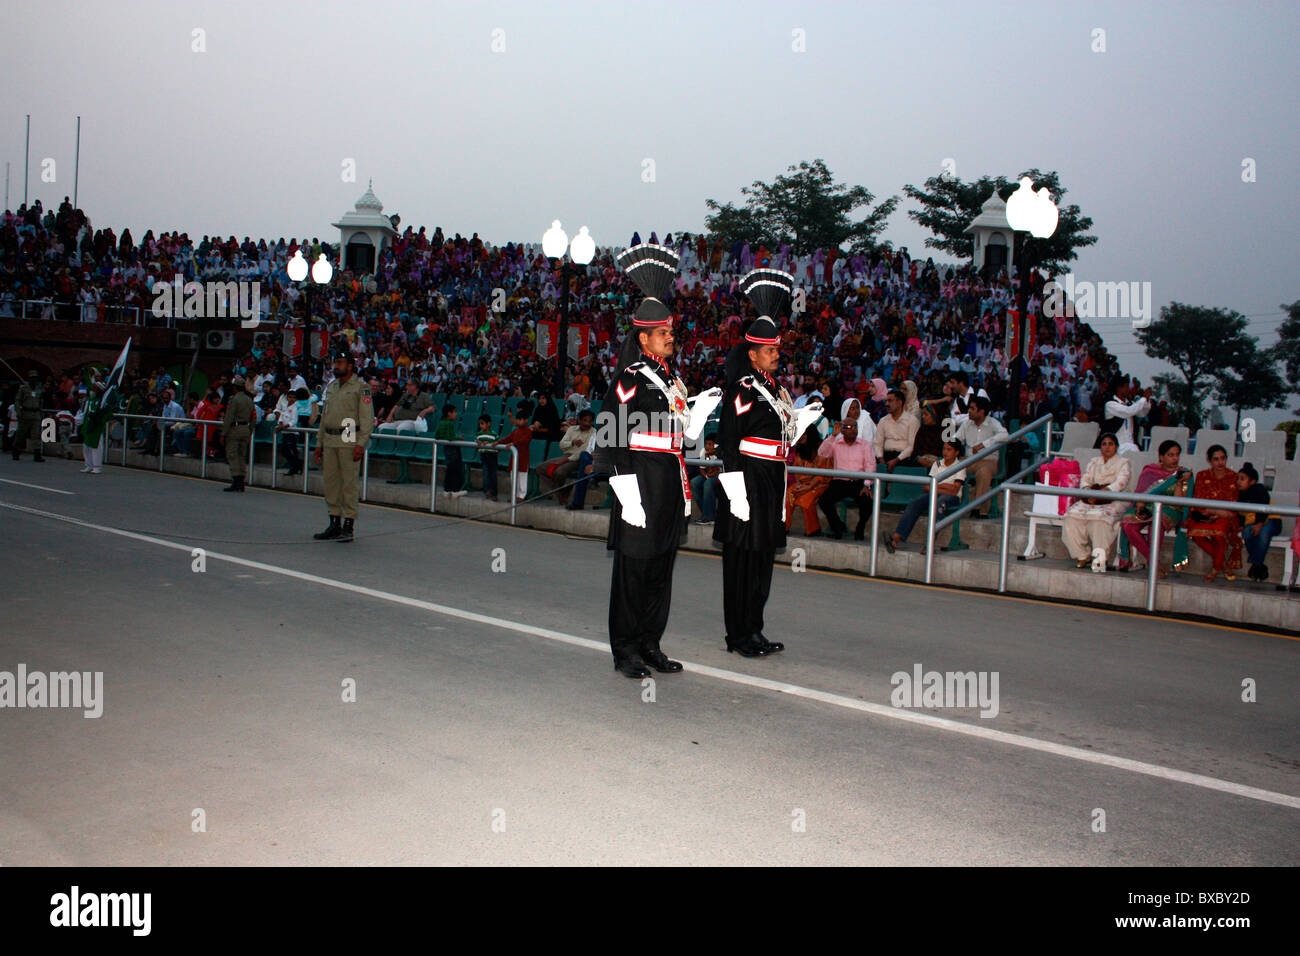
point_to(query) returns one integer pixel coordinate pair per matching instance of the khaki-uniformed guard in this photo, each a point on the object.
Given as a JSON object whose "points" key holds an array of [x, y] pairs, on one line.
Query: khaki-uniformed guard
{"points": [[237, 428], [346, 419], [28, 403]]}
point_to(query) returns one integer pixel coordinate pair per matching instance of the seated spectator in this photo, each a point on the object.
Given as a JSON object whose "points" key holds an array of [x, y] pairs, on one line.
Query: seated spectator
{"points": [[1092, 523], [486, 437], [1162, 477], [949, 498], [546, 421], [453, 478], [847, 452], [896, 432], [704, 482], [1257, 529], [556, 471], [410, 412], [979, 432], [287, 418], [804, 491], [1216, 530]]}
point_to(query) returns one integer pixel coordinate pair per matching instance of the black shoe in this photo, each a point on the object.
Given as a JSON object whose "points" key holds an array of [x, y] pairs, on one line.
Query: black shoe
{"points": [[332, 532], [1263, 573], [749, 647], [888, 541], [345, 534], [859, 534], [38, 458], [17, 457], [835, 535], [572, 507], [632, 668], [771, 647], [814, 534], [233, 486], [660, 662]]}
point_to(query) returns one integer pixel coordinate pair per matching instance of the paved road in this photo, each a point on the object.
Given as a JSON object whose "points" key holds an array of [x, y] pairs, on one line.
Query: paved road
{"points": [[489, 727]]}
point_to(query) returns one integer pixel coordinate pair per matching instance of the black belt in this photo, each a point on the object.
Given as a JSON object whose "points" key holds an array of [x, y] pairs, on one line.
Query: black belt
{"points": [[333, 431]]}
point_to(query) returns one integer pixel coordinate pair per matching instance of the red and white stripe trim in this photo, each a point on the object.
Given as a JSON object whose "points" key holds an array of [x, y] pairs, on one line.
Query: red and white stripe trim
{"points": [[767, 448], [656, 441]]}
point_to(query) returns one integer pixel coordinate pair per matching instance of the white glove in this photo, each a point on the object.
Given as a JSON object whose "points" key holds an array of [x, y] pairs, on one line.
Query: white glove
{"points": [[806, 416], [733, 483], [628, 493], [702, 406]]}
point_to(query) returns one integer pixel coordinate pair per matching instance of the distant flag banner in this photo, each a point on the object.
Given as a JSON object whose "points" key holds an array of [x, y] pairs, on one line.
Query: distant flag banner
{"points": [[1013, 335], [293, 343], [100, 407], [546, 338], [114, 379], [317, 344]]}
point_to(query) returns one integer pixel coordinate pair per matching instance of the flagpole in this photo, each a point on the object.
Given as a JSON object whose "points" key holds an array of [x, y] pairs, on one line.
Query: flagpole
{"points": [[76, 169], [27, 156]]}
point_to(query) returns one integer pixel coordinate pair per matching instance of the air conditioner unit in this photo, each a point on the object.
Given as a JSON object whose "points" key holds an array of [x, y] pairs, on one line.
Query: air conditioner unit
{"points": [[218, 341], [187, 341]]}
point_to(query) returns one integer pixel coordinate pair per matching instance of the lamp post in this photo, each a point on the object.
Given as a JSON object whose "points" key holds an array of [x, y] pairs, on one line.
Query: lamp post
{"points": [[1032, 213], [321, 274], [582, 250]]}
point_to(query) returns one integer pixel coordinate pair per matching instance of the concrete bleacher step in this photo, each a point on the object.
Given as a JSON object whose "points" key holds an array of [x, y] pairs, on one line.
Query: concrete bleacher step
{"points": [[1242, 602]]}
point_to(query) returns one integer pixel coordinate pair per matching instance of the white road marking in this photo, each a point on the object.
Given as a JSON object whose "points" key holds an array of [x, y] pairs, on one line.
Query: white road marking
{"points": [[57, 491], [735, 677]]}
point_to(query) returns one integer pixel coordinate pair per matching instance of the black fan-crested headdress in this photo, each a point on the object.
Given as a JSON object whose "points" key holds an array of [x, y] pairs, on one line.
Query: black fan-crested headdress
{"points": [[653, 268], [771, 291]]}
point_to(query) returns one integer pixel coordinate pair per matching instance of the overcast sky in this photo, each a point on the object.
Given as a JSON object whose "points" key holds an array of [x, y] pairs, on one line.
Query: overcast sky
{"points": [[250, 136]]}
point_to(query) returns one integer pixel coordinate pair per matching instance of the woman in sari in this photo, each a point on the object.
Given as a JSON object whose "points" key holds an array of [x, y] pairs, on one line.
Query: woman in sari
{"points": [[1216, 530], [1163, 477], [804, 490], [1093, 523]]}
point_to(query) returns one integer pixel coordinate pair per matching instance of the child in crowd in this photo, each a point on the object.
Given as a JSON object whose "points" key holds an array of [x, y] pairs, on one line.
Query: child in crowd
{"points": [[487, 436], [521, 438], [454, 477]]}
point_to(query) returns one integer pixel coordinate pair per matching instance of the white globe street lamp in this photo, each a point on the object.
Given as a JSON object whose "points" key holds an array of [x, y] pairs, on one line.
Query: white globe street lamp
{"points": [[322, 271], [555, 241], [297, 267]]}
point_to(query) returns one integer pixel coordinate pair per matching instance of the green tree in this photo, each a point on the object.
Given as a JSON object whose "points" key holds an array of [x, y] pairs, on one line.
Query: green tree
{"points": [[1202, 344], [948, 205], [806, 208], [1253, 382], [1287, 349]]}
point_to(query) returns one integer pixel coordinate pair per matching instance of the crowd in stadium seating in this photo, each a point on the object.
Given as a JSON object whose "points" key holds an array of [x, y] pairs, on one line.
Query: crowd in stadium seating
{"points": [[427, 312]]}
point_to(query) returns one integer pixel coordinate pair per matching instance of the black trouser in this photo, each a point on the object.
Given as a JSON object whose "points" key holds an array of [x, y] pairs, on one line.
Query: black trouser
{"points": [[639, 599], [289, 448], [746, 584], [838, 490], [454, 477]]}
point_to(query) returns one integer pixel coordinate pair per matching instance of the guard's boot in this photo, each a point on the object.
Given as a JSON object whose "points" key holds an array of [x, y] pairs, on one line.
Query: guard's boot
{"points": [[332, 532], [770, 647], [747, 647], [630, 667], [346, 534], [659, 661], [234, 484]]}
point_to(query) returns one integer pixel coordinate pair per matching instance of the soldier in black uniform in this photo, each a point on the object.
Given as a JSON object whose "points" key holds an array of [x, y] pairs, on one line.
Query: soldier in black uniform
{"points": [[646, 417], [759, 425]]}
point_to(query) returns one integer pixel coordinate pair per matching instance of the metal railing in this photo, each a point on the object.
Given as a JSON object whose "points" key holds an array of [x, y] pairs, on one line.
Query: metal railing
{"points": [[1159, 501], [309, 433], [875, 477], [933, 527]]}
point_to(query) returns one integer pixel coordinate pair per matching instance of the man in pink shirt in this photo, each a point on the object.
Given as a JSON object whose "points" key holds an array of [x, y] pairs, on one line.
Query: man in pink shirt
{"points": [[847, 453]]}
